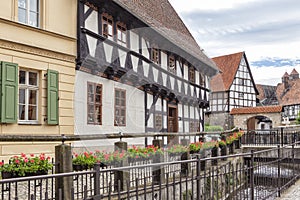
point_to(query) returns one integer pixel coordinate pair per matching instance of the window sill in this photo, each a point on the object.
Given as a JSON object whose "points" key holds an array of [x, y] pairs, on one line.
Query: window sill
{"points": [[29, 123]]}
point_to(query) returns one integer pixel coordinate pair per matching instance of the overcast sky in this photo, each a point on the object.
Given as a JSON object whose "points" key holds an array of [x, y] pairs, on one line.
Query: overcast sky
{"points": [[268, 31]]}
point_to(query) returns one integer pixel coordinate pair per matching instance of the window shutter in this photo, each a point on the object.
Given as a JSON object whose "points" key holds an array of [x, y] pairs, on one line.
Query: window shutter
{"points": [[9, 92], [52, 97]]}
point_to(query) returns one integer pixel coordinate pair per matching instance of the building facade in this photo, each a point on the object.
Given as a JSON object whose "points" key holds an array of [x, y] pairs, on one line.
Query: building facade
{"points": [[233, 87], [37, 55], [138, 70]]}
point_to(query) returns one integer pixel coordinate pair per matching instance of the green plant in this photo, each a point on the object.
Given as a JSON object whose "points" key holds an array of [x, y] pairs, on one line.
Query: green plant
{"points": [[20, 165], [196, 146], [147, 152], [222, 143], [177, 149], [210, 144], [84, 159], [208, 128]]}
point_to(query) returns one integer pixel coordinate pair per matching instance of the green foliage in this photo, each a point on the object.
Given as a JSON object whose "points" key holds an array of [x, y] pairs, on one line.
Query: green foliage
{"points": [[298, 119], [208, 128], [20, 165]]}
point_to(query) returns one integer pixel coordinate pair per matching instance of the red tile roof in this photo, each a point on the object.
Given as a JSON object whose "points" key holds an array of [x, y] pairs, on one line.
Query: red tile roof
{"points": [[291, 95], [256, 110], [228, 65], [161, 16], [294, 72]]}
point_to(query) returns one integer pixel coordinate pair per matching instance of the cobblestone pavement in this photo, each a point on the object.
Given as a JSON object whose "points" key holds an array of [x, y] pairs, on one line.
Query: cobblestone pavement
{"points": [[292, 193]]}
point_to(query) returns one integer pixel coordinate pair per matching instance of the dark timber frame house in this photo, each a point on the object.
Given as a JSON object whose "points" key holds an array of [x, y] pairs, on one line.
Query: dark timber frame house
{"points": [[233, 87], [138, 58]]}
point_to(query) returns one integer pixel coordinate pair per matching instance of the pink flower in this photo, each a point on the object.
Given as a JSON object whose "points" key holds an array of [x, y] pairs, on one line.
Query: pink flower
{"points": [[26, 160], [17, 161], [32, 161]]}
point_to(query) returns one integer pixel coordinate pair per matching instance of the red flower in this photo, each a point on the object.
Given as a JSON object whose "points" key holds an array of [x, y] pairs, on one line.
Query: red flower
{"points": [[1, 163], [17, 161], [23, 155], [32, 155], [32, 161]]}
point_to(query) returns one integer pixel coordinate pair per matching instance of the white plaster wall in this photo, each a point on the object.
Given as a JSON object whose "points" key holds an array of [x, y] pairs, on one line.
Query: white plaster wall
{"points": [[134, 41], [92, 43], [91, 23], [164, 60], [122, 57], [108, 52], [158, 106], [145, 50], [186, 72], [135, 115]]}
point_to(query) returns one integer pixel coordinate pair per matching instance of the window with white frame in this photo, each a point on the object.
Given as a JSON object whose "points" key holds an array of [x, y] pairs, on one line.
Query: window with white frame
{"points": [[29, 12], [121, 34], [28, 96], [107, 26]]}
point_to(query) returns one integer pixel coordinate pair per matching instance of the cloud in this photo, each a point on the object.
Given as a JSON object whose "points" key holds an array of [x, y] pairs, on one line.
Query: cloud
{"points": [[254, 23]]}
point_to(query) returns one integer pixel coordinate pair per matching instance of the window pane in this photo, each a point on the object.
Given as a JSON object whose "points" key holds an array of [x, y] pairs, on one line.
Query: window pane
{"points": [[22, 112], [32, 97], [90, 118], [21, 96], [22, 15], [22, 76], [110, 31], [32, 112], [33, 19], [34, 5], [32, 78], [22, 3]]}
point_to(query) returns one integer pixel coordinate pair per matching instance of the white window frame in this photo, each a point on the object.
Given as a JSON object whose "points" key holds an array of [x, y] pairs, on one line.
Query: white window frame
{"points": [[28, 11], [28, 87]]}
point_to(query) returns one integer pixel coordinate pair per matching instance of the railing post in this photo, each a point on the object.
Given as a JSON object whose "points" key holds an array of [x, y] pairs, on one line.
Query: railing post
{"points": [[252, 175], [198, 171], [281, 133], [121, 177], [97, 179], [158, 172], [278, 171], [63, 157]]}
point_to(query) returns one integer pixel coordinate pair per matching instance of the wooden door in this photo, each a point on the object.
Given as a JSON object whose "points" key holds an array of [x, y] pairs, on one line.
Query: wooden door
{"points": [[172, 124]]}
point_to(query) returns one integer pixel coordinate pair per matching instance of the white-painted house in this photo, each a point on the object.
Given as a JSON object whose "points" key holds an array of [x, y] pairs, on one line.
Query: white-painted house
{"points": [[138, 70]]}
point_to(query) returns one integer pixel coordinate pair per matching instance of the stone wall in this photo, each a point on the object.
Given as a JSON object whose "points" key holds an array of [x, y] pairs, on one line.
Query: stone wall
{"points": [[240, 120]]}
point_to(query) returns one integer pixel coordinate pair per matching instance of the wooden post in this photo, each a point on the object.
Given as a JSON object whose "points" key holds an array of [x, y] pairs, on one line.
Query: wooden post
{"points": [[158, 172], [63, 157], [121, 176]]}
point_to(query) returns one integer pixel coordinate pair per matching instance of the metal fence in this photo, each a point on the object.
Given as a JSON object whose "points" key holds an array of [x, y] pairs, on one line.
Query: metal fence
{"points": [[281, 136], [256, 175]]}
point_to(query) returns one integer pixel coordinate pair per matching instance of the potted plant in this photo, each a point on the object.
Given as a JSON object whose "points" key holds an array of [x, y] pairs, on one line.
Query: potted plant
{"points": [[195, 147], [26, 166], [83, 161], [229, 142], [177, 150]]}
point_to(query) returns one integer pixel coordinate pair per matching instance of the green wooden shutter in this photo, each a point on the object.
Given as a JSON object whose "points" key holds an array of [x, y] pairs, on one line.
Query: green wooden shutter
{"points": [[52, 97], [9, 92]]}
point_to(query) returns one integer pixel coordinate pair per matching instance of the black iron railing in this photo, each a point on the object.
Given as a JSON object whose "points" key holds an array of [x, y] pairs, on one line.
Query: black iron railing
{"points": [[255, 175], [278, 136]]}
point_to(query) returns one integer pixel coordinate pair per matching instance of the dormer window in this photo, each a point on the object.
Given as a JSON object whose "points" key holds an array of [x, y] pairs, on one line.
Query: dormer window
{"points": [[172, 64], [121, 34], [107, 26], [192, 74], [155, 55]]}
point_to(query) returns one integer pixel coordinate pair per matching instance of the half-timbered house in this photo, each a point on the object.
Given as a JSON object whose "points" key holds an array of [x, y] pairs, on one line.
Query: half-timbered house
{"points": [[139, 69], [233, 87]]}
